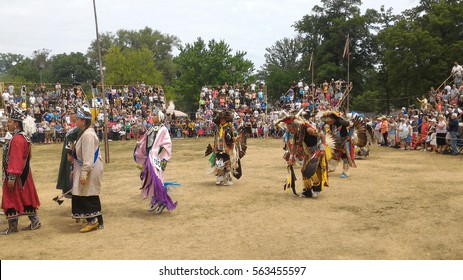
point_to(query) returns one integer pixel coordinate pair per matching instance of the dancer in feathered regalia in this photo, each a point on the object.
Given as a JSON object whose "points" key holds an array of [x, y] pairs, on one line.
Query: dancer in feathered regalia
{"points": [[153, 151], [306, 146], [19, 192], [349, 134], [229, 148]]}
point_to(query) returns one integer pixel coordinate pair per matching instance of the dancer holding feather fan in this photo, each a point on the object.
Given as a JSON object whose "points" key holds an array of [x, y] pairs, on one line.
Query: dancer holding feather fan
{"points": [[229, 147]]}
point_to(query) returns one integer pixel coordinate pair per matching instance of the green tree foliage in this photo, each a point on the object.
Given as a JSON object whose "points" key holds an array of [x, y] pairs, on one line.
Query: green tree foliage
{"points": [[126, 67], [283, 66], [69, 68], [325, 33], [23, 70], [419, 49], [212, 64], [17, 68], [8, 60], [161, 46]]}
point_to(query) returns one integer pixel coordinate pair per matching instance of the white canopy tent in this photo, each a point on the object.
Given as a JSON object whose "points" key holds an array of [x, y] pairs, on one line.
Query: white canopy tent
{"points": [[180, 114]]}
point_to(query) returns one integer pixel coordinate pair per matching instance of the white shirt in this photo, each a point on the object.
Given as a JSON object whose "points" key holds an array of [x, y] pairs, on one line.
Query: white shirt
{"points": [[6, 96], [457, 70]]}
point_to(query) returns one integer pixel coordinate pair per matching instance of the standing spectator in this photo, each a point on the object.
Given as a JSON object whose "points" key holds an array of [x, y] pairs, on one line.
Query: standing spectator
{"points": [[424, 132], [47, 131], [115, 128], [423, 104], [265, 128], [88, 173], [415, 130], [19, 193], [95, 88], [384, 130], [400, 132], [441, 131], [11, 89], [58, 89], [457, 74], [392, 132], [23, 93], [453, 130], [6, 100], [407, 132], [433, 138]]}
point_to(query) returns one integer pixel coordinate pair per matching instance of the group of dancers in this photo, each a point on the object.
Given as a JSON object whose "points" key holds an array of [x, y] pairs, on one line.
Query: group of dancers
{"points": [[80, 157], [311, 141]]}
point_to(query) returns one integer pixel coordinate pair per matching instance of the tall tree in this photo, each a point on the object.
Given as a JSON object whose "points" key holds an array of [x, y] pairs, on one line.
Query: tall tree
{"points": [[325, 33], [161, 45], [283, 63], [129, 66], [8, 60], [419, 49], [69, 68], [212, 64], [26, 70]]}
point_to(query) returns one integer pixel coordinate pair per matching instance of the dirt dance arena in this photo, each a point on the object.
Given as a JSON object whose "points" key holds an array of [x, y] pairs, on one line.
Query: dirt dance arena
{"points": [[396, 205]]}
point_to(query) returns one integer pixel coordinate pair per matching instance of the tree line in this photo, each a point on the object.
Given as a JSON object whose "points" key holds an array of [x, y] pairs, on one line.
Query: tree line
{"points": [[393, 58]]}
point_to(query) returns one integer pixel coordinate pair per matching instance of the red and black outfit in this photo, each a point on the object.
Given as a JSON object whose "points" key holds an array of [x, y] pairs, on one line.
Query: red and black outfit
{"points": [[23, 198]]}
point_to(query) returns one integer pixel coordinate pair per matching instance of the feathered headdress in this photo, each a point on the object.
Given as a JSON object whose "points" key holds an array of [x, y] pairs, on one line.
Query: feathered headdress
{"points": [[329, 114], [222, 114], [157, 111], [28, 123], [171, 108], [294, 116]]}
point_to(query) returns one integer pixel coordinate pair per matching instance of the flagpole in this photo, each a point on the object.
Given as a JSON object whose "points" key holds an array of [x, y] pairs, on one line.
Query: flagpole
{"points": [[313, 67], [348, 79], [103, 92], [348, 69]]}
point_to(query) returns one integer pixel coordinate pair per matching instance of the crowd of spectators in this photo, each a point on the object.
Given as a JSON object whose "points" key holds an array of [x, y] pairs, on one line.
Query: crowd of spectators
{"points": [[436, 126], [249, 104], [431, 127]]}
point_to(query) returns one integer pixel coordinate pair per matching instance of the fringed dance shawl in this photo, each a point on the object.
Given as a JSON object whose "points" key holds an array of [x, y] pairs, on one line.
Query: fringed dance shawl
{"points": [[153, 174]]}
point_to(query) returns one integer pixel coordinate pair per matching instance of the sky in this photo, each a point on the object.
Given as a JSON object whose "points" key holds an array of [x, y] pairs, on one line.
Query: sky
{"points": [[65, 26]]}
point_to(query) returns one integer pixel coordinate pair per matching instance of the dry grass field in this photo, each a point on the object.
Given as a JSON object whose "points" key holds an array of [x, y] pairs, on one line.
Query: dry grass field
{"points": [[396, 205]]}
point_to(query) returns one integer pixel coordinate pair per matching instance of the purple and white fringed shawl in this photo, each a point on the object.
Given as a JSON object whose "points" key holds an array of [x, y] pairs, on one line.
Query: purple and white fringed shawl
{"points": [[153, 186]]}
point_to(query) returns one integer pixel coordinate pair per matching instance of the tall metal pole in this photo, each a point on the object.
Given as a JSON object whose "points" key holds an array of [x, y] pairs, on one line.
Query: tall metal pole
{"points": [[103, 92]]}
